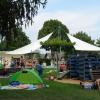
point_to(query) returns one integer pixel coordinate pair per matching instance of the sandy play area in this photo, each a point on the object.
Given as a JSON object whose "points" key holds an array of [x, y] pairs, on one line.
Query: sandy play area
{"points": [[71, 81]]}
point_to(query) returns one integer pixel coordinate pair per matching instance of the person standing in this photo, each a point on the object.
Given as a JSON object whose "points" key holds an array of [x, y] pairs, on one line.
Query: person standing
{"points": [[22, 62], [39, 68]]}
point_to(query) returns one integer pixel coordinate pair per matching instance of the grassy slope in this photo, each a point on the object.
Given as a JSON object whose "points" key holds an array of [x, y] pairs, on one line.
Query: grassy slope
{"points": [[56, 91]]}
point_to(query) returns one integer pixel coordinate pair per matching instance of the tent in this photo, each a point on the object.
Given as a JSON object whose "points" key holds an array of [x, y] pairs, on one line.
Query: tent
{"points": [[1, 66], [81, 45], [27, 76], [30, 47]]}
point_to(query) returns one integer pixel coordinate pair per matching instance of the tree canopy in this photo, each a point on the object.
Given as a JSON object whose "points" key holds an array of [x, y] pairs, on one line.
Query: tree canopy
{"points": [[15, 13], [55, 26], [16, 41], [83, 36], [98, 42], [59, 37]]}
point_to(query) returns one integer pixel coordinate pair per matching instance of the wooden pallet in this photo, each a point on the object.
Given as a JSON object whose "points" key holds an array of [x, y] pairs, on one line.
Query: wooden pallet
{"points": [[95, 74]]}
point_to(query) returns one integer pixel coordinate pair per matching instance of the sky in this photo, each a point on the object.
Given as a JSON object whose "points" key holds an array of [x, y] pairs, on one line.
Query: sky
{"points": [[77, 15]]}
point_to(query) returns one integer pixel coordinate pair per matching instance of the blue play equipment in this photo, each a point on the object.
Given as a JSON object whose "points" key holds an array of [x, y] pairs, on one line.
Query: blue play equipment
{"points": [[81, 66]]}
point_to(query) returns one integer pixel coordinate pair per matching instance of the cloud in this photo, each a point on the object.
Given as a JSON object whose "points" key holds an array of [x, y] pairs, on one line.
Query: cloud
{"points": [[75, 21]]}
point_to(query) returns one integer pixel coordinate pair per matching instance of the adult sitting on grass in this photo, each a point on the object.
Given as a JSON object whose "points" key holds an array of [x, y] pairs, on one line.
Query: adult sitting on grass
{"points": [[87, 85], [97, 83]]}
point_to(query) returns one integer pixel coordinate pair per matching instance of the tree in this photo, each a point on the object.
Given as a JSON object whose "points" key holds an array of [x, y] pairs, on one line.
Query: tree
{"points": [[54, 26], [16, 42], [59, 37], [59, 40], [83, 36], [98, 42], [15, 13]]}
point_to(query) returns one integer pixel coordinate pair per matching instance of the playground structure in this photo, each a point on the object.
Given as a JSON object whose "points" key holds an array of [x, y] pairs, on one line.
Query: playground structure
{"points": [[82, 67]]}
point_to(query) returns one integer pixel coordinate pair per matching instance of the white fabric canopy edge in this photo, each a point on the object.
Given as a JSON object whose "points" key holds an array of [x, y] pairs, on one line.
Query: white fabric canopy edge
{"points": [[81, 45], [30, 47]]}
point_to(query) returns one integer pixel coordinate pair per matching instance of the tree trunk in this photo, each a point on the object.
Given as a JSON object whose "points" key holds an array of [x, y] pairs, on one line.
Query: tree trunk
{"points": [[57, 63], [53, 57]]}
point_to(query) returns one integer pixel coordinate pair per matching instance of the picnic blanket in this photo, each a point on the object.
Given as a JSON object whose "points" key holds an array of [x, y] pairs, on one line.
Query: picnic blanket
{"points": [[22, 86]]}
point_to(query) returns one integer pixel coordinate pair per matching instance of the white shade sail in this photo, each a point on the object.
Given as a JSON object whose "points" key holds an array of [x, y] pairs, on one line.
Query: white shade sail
{"points": [[30, 47], [81, 45]]}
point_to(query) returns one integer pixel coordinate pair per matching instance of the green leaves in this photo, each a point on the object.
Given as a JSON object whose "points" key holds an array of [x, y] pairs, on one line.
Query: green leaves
{"points": [[83, 36], [15, 13], [18, 39], [54, 26], [57, 42], [98, 42], [59, 39]]}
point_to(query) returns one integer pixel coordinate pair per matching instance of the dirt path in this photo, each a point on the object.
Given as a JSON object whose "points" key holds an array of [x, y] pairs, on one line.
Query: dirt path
{"points": [[71, 81]]}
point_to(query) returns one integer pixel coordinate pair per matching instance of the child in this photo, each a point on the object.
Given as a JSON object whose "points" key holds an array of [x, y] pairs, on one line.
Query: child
{"points": [[39, 68]]}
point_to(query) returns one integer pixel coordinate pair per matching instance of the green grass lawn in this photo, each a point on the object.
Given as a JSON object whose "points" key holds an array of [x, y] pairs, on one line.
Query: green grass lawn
{"points": [[56, 91]]}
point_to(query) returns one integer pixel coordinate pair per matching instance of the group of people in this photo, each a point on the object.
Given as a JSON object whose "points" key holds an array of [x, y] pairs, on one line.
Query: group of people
{"points": [[17, 63], [24, 63]]}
